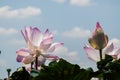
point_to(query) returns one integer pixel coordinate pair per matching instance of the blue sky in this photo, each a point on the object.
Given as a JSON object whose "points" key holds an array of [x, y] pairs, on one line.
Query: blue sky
{"points": [[71, 21]]}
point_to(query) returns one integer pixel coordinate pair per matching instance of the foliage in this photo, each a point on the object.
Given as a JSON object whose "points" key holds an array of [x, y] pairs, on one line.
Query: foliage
{"points": [[20, 74], [63, 70]]}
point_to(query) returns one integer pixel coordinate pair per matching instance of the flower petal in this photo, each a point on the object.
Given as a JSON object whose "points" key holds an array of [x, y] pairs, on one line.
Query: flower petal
{"points": [[19, 58], [45, 44], [92, 53], [98, 27], [47, 34], [47, 41], [51, 57], [28, 59], [118, 56], [24, 35], [54, 46], [105, 41], [24, 52], [93, 43], [118, 53], [109, 48], [41, 60], [36, 37], [115, 53], [27, 36], [28, 31]]}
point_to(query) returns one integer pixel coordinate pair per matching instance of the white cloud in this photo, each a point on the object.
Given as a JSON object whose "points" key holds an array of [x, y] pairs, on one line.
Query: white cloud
{"points": [[17, 42], [59, 1], [9, 31], [71, 56], [77, 2], [81, 2], [29, 11], [76, 32]]}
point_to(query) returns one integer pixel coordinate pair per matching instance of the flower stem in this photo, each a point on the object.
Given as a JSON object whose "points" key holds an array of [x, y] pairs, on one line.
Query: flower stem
{"points": [[31, 65], [36, 63], [100, 50]]}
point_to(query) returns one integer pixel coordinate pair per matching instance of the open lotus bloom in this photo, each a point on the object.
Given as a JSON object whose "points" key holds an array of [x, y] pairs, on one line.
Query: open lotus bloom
{"points": [[98, 40], [110, 49], [38, 45]]}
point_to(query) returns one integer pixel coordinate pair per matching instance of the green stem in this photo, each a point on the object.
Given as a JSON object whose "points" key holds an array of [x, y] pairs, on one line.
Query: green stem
{"points": [[8, 71], [36, 63], [8, 74], [100, 51], [31, 65]]}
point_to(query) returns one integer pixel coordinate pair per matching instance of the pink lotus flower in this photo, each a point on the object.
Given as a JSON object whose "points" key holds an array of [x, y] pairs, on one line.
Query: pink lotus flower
{"points": [[99, 40], [110, 49], [38, 45]]}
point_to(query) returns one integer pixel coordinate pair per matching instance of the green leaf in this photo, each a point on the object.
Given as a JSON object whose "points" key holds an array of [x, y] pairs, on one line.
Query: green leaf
{"points": [[103, 63], [108, 58], [34, 73], [63, 70], [84, 74], [20, 74], [112, 76]]}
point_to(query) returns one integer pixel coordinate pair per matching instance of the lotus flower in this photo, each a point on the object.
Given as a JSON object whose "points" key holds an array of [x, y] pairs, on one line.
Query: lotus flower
{"points": [[38, 44], [99, 40], [110, 49]]}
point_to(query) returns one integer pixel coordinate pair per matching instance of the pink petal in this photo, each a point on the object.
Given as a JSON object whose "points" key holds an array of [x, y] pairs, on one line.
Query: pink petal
{"points": [[108, 49], [28, 31], [45, 44], [47, 34], [28, 59], [47, 41], [118, 53], [54, 46], [36, 37], [45, 47], [51, 57], [92, 53], [24, 52], [27, 35], [98, 28], [19, 58], [118, 56], [115, 53], [98, 25], [24, 35], [41, 60]]}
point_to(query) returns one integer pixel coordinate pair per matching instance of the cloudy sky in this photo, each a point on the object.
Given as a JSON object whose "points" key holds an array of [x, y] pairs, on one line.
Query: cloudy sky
{"points": [[71, 21]]}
